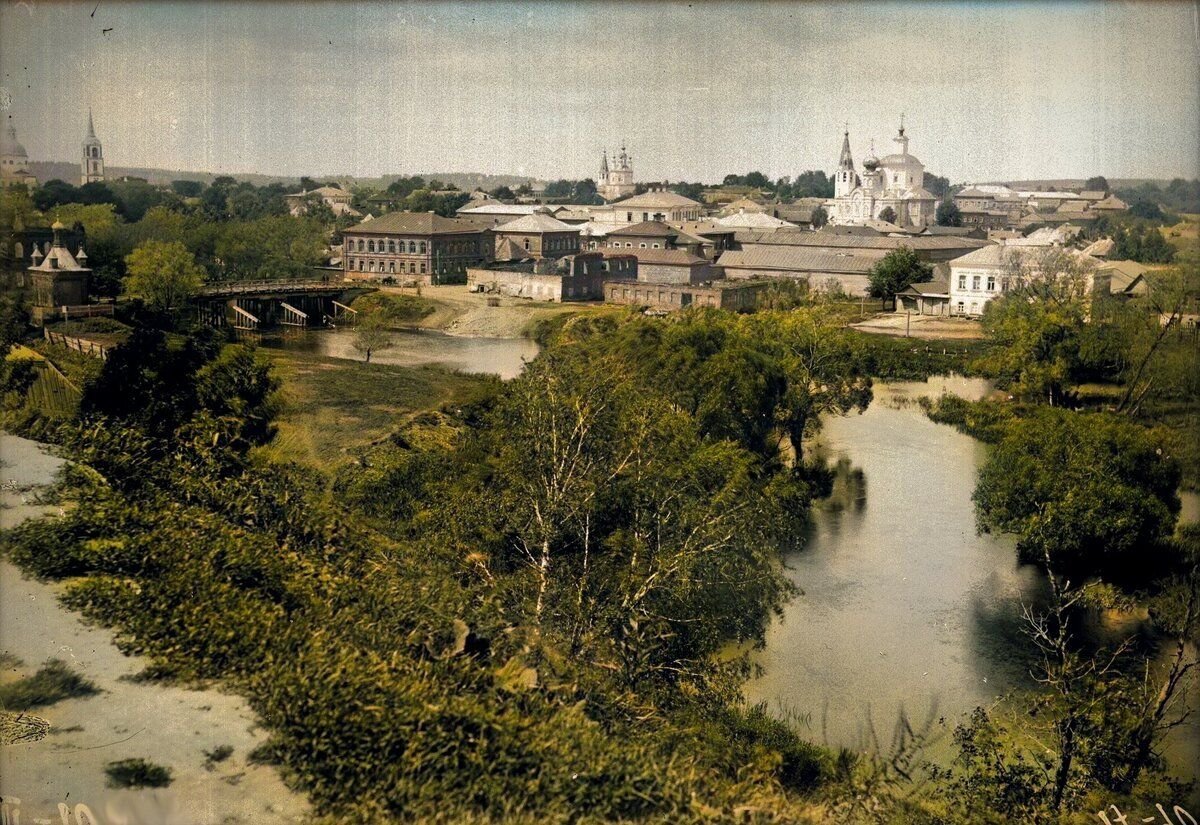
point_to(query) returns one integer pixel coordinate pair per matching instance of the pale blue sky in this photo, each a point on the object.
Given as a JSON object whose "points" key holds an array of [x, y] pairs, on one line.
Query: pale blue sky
{"points": [[990, 90]]}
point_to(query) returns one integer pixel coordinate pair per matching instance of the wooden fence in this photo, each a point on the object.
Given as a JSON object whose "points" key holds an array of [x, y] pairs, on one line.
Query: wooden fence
{"points": [[78, 344]]}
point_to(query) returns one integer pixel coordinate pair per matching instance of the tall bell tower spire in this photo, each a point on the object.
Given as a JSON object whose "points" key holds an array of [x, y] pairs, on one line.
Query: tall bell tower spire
{"points": [[846, 179], [91, 168]]}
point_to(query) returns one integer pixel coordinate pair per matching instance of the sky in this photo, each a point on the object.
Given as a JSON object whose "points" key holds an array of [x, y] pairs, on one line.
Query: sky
{"points": [[988, 91]]}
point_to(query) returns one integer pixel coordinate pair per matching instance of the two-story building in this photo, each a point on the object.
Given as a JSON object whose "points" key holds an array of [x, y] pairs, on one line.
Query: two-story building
{"points": [[419, 246], [539, 235]]}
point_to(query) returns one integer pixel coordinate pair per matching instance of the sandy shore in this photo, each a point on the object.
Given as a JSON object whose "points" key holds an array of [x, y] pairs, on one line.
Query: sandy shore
{"points": [[169, 726], [464, 313], [931, 327]]}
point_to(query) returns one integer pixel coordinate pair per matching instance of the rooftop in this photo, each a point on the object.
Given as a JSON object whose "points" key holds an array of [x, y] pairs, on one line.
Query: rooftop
{"points": [[656, 200], [646, 229], [412, 223], [799, 259], [536, 223]]}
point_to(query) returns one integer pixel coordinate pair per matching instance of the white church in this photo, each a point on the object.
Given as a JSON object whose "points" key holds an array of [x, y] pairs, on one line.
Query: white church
{"points": [[895, 181]]}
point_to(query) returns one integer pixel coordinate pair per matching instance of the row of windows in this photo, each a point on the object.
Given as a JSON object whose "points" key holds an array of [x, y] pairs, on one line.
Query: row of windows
{"points": [[975, 281], [629, 245], [551, 244], [414, 247], [394, 268]]}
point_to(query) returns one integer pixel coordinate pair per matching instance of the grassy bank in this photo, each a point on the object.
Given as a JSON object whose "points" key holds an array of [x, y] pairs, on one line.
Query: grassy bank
{"points": [[331, 407]]}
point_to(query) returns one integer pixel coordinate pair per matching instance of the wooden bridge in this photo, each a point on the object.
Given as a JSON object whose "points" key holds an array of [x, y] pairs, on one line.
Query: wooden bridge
{"points": [[257, 305]]}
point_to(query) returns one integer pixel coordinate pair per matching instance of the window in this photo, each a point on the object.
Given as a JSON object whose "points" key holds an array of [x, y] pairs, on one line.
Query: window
{"points": [[629, 244], [360, 245], [975, 282], [371, 246], [392, 246], [1004, 284], [641, 246], [526, 242], [991, 283], [629, 217], [360, 266], [422, 267], [412, 268], [654, 246], [392, 267], [422, 247], [961, 308], [412, 246]]}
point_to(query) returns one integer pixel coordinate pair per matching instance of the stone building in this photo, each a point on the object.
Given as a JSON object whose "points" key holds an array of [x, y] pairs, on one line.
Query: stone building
{"points": [[91, 167], [669, 266], [737, 296], [615, 180], [59, 279], [650, 206], [14, 161], [338, 200], [539, 235], [644, 235], [895, 181], [569, 278], [415, 246], [993, 270]]}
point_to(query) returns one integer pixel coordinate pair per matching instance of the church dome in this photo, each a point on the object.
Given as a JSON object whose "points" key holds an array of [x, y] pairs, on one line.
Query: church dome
{"points": [[870, 163], [10, 146]]}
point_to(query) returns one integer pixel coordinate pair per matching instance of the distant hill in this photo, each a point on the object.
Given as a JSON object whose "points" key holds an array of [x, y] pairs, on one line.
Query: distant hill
{"points": [[1048, 184], [52, 169]]}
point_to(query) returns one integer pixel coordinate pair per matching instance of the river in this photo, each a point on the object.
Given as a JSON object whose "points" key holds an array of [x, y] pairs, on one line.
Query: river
{"points": [[904, 607], [505, 357]]}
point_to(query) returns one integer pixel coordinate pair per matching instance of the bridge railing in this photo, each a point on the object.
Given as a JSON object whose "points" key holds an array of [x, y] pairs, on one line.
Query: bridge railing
{"points": [[267, 286]]}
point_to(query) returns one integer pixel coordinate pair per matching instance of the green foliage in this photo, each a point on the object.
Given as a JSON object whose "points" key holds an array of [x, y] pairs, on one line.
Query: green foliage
{"points": [[819, 217], [948, 213], [1035, 350], [279, 247], [53, 682], [423, 665], [1093, 491], [897, 271], [395, 309], [888, 214], [164, 275], [137, 773], [985, 420]]}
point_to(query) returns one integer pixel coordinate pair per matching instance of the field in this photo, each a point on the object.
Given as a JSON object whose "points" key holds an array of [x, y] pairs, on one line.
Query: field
{"points": [[1185, 234], [331, 407]]}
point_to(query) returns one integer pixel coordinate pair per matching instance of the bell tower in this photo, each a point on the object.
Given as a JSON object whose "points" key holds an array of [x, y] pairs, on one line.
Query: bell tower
{"points": [[91, 168], [845, 180]]}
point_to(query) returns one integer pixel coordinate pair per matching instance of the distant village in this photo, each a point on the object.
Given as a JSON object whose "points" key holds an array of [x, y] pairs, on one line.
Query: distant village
{"points": [[645, 245]]}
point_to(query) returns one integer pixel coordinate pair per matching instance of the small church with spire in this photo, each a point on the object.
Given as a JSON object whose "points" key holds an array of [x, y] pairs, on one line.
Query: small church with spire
{"points": [[91, 168], [615, 181]]}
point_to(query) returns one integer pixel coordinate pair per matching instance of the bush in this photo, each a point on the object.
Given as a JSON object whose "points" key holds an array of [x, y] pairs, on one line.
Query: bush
{"points": [[53, 683], [137, 773]]}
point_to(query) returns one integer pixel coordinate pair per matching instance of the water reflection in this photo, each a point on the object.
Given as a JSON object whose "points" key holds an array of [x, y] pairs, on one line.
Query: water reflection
{"points": [[505, 357], [905, 608]]}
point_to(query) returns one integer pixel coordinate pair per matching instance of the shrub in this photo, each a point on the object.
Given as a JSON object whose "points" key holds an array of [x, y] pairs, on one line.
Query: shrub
{"points": [[137, 773], [53, 683]]}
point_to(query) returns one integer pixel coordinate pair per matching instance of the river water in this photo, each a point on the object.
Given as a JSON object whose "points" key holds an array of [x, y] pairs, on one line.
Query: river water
{"points": [[505, 357], [905, 608]]}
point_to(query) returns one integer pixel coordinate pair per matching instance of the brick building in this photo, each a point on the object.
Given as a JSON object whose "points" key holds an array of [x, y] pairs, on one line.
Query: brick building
{"points": [[738, 296], [415, 246]]}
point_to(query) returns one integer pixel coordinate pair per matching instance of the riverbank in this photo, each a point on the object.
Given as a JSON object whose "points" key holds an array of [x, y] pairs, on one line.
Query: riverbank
{"points": [[176, 727], [457, 311]]}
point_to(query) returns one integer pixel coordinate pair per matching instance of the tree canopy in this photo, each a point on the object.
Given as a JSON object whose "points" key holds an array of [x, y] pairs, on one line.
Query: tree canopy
{"points": [[896, 272], [163, 274]]}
